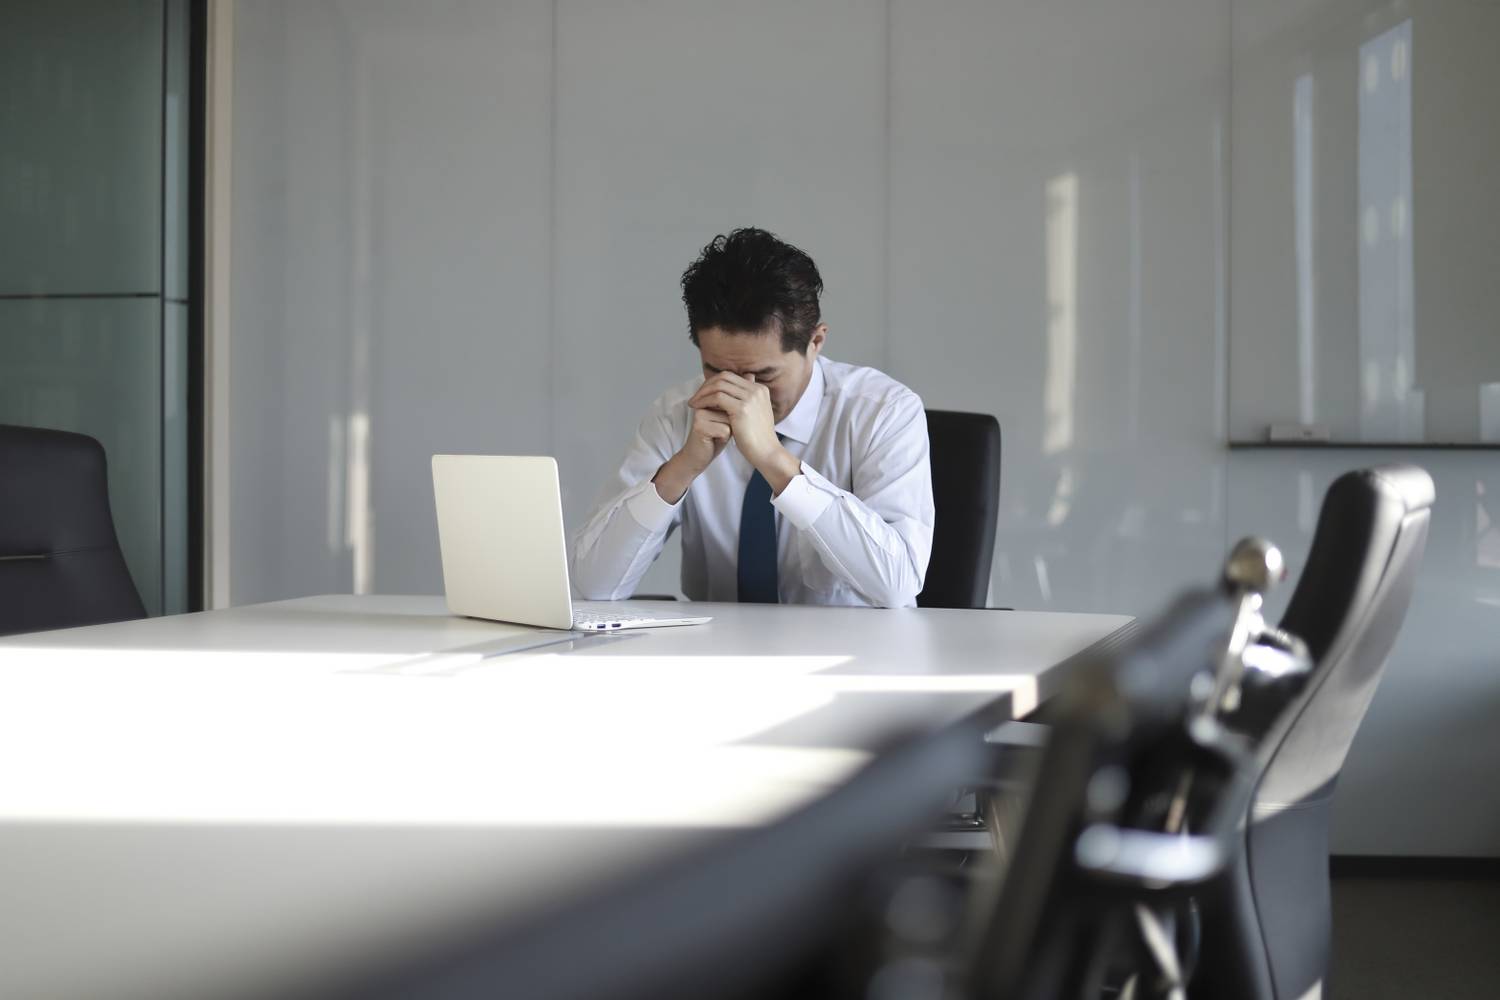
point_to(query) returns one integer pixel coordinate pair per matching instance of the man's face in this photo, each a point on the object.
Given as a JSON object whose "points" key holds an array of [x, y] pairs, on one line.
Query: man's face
{"points": [[785, 373]]}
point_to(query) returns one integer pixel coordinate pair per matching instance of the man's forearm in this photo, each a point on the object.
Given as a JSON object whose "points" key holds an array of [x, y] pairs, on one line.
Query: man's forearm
{"points": [[871, 555], [780, 468], [617, 544], [881, 553], [673, 478]]}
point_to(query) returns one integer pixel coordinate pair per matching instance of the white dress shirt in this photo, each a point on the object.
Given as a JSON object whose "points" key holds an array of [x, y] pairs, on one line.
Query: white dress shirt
{"points": [[855, 527]]}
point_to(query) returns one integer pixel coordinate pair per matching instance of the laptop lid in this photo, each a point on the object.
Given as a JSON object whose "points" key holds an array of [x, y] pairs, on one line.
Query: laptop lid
{"points": [[500, 531]]}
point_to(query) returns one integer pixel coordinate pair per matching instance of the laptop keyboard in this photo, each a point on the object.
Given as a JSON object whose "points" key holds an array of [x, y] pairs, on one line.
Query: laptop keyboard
{"points": [[597, 621]]}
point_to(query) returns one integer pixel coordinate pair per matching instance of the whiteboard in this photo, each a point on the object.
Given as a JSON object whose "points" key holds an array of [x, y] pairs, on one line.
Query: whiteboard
{"points": [[1365, 221]]}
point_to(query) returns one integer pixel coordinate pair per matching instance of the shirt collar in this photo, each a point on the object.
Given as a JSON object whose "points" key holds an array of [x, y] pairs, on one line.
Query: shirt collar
{"points": [[803, 420]]}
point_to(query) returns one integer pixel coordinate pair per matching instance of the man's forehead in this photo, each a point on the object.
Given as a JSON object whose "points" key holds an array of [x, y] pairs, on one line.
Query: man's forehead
{"points": [[740, 352]]}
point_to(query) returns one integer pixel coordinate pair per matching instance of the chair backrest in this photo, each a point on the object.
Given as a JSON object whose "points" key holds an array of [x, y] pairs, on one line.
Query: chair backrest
{"points": [[1349, 604], [1267, 926], [965, 450], [738, 916], [60, 561]]}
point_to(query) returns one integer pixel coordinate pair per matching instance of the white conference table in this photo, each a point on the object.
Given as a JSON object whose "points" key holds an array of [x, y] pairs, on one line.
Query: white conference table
{"points": [[237, 802]]}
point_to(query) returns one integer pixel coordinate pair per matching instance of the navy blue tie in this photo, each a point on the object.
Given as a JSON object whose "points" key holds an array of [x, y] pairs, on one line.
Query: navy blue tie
{"points": [[757, 566]]}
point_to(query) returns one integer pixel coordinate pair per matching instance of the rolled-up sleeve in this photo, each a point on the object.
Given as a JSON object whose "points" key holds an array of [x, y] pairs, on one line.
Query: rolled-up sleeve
{"points": [[876, 537], [631, 523]]}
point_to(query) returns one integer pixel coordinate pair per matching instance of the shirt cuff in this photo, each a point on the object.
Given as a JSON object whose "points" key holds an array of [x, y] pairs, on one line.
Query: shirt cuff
{"points": [[803, 502], [649, 509]]}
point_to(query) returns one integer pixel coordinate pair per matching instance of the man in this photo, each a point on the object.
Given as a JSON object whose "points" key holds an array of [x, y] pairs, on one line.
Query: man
{"points": [[795, 478]]}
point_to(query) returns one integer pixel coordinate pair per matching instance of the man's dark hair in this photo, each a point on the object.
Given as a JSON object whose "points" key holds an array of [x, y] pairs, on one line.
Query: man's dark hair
{"points": [[752, 282]]}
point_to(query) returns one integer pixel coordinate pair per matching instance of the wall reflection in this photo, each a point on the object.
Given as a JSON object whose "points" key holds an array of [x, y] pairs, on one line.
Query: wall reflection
{"points": [[1062, 312], [1391, 407], [1307, 283], [1356, 156], [1486, 531], [1489, 412]]}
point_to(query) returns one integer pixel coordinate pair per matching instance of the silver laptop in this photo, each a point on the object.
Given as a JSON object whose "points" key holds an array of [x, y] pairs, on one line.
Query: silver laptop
{"points": [[500, 529]]}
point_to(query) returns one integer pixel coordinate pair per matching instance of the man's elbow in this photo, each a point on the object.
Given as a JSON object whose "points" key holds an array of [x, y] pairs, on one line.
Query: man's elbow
{"points": [[600, 591], [897, 593], [900, 590], [587, 592], [586, 585]]}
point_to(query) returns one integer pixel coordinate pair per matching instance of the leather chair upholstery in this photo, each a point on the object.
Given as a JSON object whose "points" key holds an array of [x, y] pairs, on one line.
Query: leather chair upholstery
{"points": [[965, 456], [1267, 925], [60, 561]]}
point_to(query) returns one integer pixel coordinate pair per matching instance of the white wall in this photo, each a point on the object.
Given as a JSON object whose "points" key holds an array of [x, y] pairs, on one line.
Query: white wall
{"points": [[459, 226]]}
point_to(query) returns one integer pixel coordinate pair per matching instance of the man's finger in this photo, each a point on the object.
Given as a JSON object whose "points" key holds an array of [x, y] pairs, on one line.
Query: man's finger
{"points": [[715, 432], [751, 386], [737, 389], [722, 401], [719, 377], [710, 400], [708, 388], [709, 416]]}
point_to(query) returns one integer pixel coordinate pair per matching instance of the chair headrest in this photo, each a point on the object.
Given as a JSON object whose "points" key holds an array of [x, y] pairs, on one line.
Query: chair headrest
{"points": [[1409, 482]]}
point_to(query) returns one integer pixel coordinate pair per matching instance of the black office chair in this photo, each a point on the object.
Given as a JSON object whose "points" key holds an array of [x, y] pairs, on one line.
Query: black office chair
{"points": [[60, 561], [1267, 923], [1144, 716], [1140, 795], [965, 458]]}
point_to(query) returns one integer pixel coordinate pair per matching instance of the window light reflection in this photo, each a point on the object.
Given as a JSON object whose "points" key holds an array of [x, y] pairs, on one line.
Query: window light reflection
{"points": [[526, 739]]}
